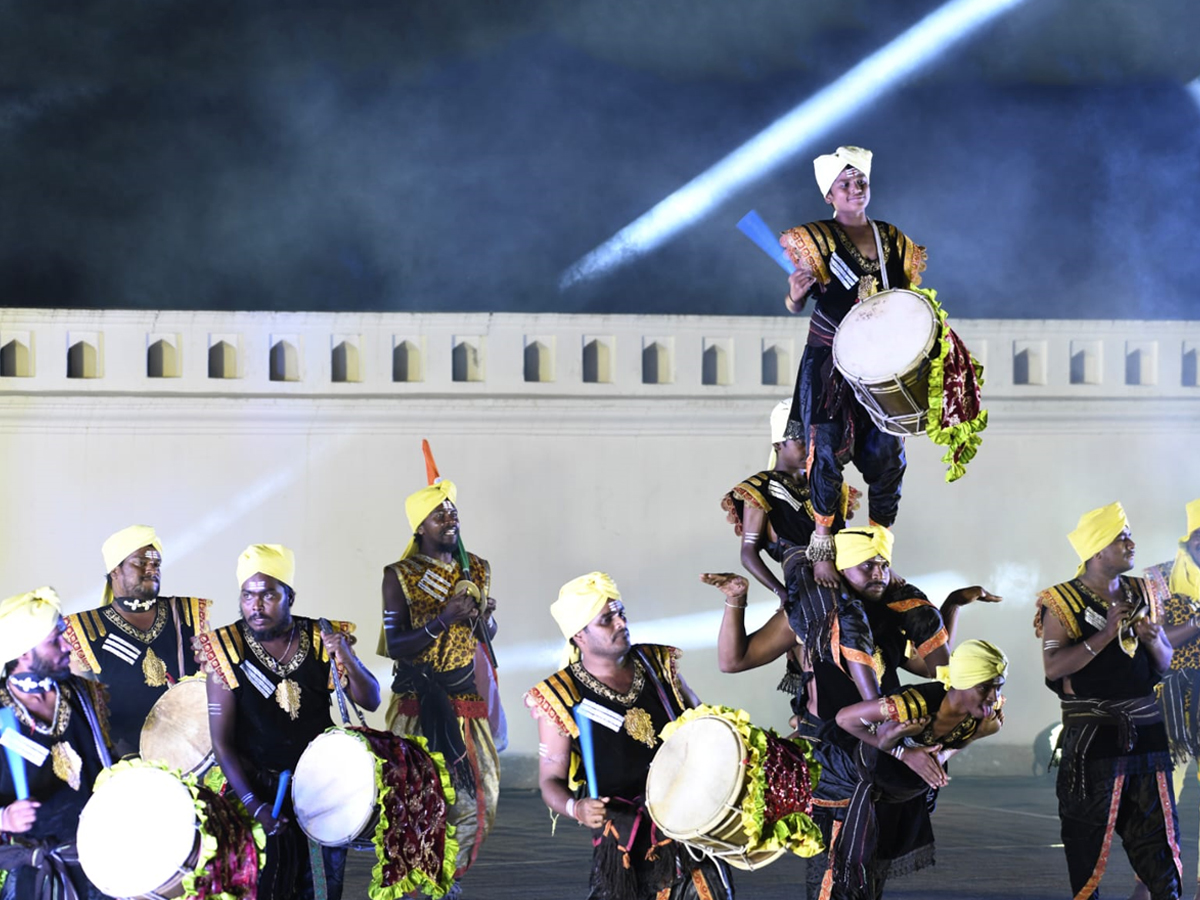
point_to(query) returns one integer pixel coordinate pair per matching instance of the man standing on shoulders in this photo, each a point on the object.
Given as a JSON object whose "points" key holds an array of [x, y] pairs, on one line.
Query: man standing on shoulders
{"points": [[136, 642], [1103, 651], [269, 686], [633, 690], [63, 745], [432, 623]]}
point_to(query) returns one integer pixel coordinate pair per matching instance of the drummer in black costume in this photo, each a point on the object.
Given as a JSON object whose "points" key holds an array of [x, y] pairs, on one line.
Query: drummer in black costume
{"points": [[837, 265]]}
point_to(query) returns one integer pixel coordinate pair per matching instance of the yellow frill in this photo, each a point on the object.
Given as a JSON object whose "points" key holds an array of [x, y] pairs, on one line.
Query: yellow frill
{"points": [[796, 833]]}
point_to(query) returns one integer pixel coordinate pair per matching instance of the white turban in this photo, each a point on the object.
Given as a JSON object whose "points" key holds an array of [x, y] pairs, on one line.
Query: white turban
{"points": [[828, 167]]}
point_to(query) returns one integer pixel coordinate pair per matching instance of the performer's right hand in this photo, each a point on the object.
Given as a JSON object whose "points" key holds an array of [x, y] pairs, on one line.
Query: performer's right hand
{"points": [[591, 811], [1116, 613], [19, 816], [800, 283], [924, 761], [459, 608], [270, 824], [825, 574]]}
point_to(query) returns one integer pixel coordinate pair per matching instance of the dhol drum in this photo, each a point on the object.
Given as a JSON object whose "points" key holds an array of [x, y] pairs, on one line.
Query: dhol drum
{"points": [[366, 788], [883, 349], [189, 839], [176, 730], [733, 791]]}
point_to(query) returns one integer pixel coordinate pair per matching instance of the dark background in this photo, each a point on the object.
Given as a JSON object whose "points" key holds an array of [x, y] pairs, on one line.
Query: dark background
{"points": [[460, 155]]}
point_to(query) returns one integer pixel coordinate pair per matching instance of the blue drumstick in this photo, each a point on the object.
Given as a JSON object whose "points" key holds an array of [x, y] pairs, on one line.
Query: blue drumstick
{"points": [[587, 751], [753, 227], [284, 777], [8, 721]]}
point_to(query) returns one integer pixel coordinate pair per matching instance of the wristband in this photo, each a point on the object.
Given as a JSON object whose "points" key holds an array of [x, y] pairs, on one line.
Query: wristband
{"points": [[258, 809], [571, 807], [1088, 648], [428, 632], [736, 605]]}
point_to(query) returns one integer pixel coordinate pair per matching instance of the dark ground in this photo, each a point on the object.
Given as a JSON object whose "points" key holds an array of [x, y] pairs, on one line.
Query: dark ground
{"points": [[997, 838]]}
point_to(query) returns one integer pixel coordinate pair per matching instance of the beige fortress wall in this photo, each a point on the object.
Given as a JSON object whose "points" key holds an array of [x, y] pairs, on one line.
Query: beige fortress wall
{"points": [[558, 477]]}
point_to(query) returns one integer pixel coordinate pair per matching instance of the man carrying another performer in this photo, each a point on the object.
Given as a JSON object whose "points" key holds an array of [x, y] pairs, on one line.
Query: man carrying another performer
{"points": [[62, 745], [1176, 585], [432, 622], [136, 642], [1103, 651], [838, 263], [269, 681], [628, 693]]}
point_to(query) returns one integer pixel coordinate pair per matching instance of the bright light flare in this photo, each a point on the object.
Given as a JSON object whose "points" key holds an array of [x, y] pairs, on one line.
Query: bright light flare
{"points": [[828, 108]]}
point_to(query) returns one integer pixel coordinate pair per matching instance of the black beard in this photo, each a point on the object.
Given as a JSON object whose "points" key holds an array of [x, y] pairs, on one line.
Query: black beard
{"points": [[39, 668], [271, 634]]}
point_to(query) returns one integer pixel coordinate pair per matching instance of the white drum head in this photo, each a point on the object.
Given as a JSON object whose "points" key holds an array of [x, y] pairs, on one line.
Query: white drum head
{"points": [[136, 832], [333, 789], [695, 777], [884, 335], [176, 730]]}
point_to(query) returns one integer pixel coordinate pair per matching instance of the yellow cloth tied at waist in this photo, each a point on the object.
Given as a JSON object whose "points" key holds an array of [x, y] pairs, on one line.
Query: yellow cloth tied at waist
{"points": [[857, 545], [972, 663], [1095, 531]]}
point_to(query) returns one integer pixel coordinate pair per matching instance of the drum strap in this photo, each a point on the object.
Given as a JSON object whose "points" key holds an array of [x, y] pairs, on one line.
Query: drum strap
{"points": [[879, 255], [316, 861], [653, 678]]}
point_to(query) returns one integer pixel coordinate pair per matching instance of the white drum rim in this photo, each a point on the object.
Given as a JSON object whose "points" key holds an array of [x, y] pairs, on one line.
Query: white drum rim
{"points": [[305, 819], [731, 800], [96, 824], [857, 311]]}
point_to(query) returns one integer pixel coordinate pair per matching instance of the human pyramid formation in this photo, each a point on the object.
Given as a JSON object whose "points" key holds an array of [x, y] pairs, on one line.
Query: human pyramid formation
{"points": [[147, 754]]}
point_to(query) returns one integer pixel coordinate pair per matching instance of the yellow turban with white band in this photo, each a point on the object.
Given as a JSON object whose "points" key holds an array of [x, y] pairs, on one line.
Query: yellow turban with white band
{"points": [[828, 167], [579, 601], [972, 663], [120, 545], [1095, 531], [419, 505], [1185, 574], [275, 560], [857, 545], [26, 620]]}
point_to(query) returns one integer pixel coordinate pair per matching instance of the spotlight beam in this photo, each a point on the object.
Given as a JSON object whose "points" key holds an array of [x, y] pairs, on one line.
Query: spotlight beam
{"points": [[885, 68]]}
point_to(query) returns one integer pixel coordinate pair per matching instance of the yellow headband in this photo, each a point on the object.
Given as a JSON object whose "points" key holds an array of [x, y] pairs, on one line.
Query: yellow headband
{"points": [[1095, 531], [972, 663], [119, 546], [275, 560], [579, 601], [857, 545], [420, 504], [828, 167], [26, 620], [1185, 575]]}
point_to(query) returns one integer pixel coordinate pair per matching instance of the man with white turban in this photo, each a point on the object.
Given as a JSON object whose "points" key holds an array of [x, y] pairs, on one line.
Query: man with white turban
{"points": [[433, 620], [62, 744], [1176, 584], [838, 264], [136, 642], [1103, 651], [270, 683], [624, 694]]}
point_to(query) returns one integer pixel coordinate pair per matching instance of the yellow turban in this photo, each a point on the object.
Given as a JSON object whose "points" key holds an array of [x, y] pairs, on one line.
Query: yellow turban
{"points": [[118, 547], [579, 601], [828, 167], [275, 560], [972, 663], [1095, 531], [419, 505], [1185, 575], [26, 620], [857, 545]]}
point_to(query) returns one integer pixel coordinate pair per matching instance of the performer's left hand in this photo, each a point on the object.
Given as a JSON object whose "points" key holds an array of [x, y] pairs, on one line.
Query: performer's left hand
{"points": [[966, 595], [338, 644], [924, 761], [734, 587], [889, 734], [1148, 632]]}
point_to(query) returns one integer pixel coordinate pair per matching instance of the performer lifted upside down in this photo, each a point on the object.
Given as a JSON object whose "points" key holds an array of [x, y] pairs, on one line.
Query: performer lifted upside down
{"points": [[431, 627], [1104, 651], [269, 686], [136, 642], [629, 692], [63, 742], [837, 264]]}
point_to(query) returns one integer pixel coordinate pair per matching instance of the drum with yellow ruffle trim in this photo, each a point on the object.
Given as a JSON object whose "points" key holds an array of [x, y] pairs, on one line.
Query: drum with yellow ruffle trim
{"points": [[732, 790]]}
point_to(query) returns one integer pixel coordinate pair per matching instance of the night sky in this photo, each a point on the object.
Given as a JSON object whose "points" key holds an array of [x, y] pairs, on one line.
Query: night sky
{"points": [[455, 155]]}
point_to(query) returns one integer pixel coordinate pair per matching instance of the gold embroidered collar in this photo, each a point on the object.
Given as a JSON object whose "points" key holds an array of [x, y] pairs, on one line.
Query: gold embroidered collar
{"points": [[144, 637], [283, 670], [867, 265], [594, 684], [62, 712]]}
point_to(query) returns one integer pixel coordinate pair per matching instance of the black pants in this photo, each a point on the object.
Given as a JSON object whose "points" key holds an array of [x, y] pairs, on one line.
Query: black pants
{"points": [[1148, 828], [288, 874]]}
